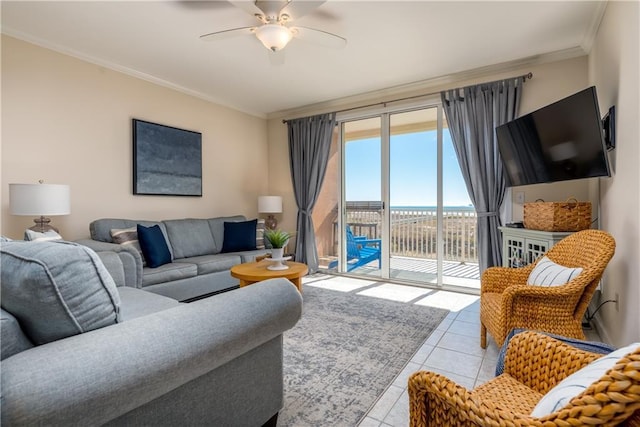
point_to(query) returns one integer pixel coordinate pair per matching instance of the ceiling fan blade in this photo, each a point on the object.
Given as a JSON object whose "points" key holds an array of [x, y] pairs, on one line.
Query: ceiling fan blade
{"points": [[296, 9], [225, 34], [319, 37], [248, 6], [272, 8]]}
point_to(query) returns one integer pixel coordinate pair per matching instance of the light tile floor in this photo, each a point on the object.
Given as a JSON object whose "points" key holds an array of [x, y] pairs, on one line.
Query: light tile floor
{"points": [[453, 349]]}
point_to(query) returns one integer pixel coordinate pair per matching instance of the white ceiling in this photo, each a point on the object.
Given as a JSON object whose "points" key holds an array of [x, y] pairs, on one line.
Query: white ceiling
{"points": [[390, 43]]}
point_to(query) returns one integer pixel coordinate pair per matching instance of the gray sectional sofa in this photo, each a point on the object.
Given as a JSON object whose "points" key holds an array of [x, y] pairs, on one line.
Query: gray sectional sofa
{"points": [[78, 350], [198, 266]]}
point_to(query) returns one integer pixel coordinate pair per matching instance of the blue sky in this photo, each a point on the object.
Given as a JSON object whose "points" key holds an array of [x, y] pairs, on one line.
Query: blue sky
{"points": [[413, 171]]}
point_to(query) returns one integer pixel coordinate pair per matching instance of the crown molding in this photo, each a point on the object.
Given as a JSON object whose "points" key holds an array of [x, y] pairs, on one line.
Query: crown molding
{"points": [[427, 87], [122, 69], [594, 26]]}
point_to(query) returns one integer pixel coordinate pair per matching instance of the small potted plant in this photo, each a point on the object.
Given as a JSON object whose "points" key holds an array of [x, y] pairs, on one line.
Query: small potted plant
{"points": [[278, 239]]}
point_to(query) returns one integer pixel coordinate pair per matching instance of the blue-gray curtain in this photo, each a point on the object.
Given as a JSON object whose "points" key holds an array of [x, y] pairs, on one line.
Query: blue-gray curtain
{"points": [[309, 145], [473, 113]]}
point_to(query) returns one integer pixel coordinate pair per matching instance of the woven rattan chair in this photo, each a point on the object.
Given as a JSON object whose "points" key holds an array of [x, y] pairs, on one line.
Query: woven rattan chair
{"points": [[535, 363], [507, 302]]}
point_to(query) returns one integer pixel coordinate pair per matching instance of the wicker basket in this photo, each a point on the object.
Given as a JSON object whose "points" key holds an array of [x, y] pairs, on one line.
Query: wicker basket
{"points": [[557, 216]]}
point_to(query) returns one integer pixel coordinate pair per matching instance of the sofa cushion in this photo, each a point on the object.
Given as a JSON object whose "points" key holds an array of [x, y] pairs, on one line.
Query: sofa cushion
{"points": [[239, 236], [137, 303], [154, 246], [207, 264], [100, 229], [190, 237], [217, 228], [12, 339], [113, 263], [56, 289], [168, 273], [250, 256]]}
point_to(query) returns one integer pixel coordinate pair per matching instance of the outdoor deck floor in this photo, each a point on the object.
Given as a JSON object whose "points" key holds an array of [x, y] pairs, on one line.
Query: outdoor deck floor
{"points": [[423, 270]]}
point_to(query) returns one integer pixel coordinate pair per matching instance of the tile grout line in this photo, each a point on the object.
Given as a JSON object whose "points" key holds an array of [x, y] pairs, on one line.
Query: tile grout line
{"points": [[484, 355], [390, 407], [405, 387]]}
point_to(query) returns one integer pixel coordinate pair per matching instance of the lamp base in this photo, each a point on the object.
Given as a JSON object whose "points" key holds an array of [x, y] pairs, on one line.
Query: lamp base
{"points": [[42, 225], [271, 222]]}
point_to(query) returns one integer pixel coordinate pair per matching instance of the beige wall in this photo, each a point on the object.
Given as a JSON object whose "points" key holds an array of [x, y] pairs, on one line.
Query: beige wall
{"points": [[67, 121], [551, 82], [614, 69]]}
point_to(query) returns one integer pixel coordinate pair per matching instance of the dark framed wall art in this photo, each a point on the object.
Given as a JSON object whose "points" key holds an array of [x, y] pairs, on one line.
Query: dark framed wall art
{"points": [[166, 160]]}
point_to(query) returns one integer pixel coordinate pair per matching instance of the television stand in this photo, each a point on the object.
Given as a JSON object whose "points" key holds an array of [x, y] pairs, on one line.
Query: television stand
{"points": [[521, 246]]}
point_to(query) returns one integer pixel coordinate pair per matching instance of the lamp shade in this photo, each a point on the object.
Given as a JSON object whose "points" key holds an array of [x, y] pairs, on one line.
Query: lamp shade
{"points": [[274, 36], [39, 199], [270, 204]]}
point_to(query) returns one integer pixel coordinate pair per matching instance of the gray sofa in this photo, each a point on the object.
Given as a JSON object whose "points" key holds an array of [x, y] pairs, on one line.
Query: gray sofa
{"points": [[198, 267], [216, 361]]}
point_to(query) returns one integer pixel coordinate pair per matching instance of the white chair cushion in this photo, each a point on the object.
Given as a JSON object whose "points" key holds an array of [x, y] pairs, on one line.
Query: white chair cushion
{"points": [[559, 396], [547, 273]]}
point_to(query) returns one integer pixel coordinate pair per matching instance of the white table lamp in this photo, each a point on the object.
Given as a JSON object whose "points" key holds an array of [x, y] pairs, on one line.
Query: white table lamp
{"points": [[270, 205], [40, 199]]}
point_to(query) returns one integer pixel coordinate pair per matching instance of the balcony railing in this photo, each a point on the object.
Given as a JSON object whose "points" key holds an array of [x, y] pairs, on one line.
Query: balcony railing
{"points": [[414, 230]]}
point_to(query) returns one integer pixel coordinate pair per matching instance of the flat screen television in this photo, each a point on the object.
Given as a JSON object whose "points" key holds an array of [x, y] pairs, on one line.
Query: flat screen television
{"points": [[559, 142]]}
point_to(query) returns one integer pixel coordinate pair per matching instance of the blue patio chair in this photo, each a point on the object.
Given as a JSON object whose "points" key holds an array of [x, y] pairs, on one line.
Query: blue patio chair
{"points": [[360, 251]]}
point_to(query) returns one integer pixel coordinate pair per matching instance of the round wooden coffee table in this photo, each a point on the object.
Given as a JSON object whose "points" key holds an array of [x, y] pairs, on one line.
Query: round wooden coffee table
{"points": [[252, 272]]}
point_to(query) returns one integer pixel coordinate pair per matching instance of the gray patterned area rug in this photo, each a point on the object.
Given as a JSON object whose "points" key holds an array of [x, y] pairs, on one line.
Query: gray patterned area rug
{"points": [[344, 352]]}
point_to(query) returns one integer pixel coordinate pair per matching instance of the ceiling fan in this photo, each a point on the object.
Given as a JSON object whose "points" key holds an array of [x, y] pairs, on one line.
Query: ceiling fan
{"points": [[274, 30]]}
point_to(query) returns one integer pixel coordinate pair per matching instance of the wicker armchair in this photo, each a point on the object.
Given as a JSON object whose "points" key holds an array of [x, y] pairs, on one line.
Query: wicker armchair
{"points": [[535, 363], [507, 302]]}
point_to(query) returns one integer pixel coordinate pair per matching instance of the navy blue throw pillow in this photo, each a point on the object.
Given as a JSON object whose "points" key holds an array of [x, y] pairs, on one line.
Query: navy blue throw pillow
{"points": [[154, 246], [239, 236]]}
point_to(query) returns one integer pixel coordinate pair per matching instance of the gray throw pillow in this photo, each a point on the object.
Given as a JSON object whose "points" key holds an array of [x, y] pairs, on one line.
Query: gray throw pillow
{"points": [[56, 289]]}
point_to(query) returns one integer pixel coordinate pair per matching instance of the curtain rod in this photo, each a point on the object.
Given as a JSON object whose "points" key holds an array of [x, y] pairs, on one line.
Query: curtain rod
{"points": [[524, 78]]}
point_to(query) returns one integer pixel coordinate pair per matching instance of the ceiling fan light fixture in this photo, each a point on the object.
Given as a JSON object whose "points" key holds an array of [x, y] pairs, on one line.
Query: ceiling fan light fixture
{"points": [[274, 36]]}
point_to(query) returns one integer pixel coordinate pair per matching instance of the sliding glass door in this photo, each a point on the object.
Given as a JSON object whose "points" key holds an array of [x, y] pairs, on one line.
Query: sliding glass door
{"points": [[414, 195], [432, 220], [397, 202], [361, 225]]}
